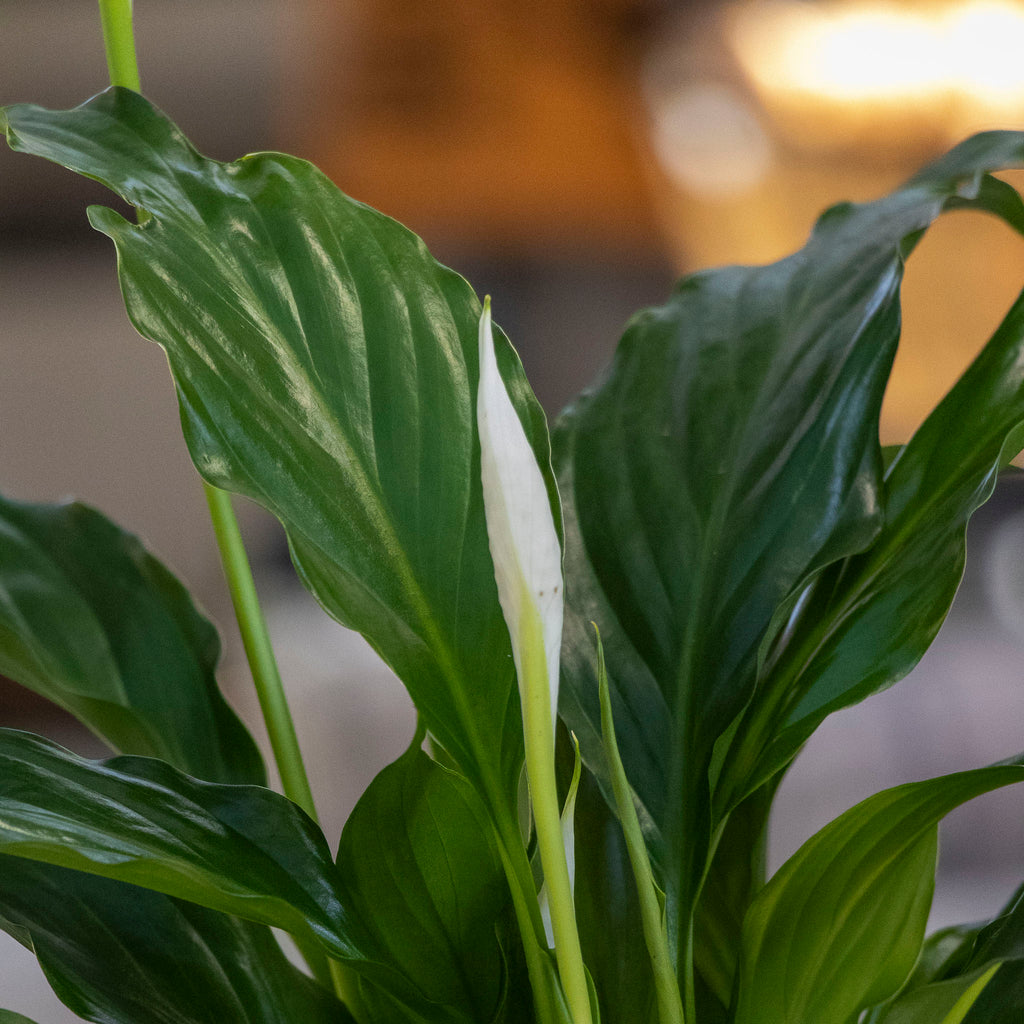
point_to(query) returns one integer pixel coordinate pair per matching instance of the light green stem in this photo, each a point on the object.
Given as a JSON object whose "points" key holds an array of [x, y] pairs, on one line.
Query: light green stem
{"points": [[666, 986], [119, 43], [273, 703], [259, 651], [689, 977], [539, 735], [531, 930]]}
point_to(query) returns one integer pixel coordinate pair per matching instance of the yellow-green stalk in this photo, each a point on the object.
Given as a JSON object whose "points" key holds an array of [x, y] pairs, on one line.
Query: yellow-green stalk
{"points": [[528, 569]]}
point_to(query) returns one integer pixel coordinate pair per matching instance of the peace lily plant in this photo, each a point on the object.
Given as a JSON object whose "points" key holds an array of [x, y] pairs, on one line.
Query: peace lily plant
{"points": [[617, 639]]}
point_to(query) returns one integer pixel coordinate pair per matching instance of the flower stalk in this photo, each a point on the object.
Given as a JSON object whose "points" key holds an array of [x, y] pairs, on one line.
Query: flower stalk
{"points": [[527, 560]]}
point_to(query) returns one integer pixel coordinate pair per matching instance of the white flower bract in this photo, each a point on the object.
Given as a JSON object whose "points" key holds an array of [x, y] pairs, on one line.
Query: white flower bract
{"points": [[520, 527]]}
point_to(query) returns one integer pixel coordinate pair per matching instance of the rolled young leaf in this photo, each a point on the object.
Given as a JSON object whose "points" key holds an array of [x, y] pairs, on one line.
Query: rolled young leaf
{"points": [[607, 908], [839, 927], [666, 984], [125, 955], [92, 621]]}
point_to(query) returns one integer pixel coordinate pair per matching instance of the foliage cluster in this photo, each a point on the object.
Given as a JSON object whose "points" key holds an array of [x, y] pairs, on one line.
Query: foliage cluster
{"points": [[723, 514]]}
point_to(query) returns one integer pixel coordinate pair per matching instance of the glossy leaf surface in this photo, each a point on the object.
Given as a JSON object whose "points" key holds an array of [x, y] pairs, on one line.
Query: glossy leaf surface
{"points": [[730, 454], [238, 849], [417, 856], [326, 367], [92, 621], [242, 850], [870, 618], [839, 927], [123, 955]]}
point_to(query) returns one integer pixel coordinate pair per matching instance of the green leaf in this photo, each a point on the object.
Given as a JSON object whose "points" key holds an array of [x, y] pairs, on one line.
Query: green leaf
{"points": [[1001, 1001], [125, 955], [10, 1017], [1002, 942], [241, 850], [953, 959], [839, 927], [418, 858], [868, 620], [736, 875], [326, 367], [92, 621], [942, 1002], [731, 453]]}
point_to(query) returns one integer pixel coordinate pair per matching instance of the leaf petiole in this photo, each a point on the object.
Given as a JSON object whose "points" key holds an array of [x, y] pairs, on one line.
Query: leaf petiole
{"points": [[666, 986], [258, 650], [119, 43]]}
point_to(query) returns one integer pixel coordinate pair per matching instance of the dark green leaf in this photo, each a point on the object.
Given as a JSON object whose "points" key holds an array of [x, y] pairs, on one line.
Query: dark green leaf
{"points": [[10, 1017], [241, 850], [839, 927], [418, 858], [736, 875], [942, 1002], [868, 620], [730, 454], [1002, 941], [945, 954], [123, 955], [1003, 938], [1001, 1001], [92, 621], [326, 367], [952, 959]]}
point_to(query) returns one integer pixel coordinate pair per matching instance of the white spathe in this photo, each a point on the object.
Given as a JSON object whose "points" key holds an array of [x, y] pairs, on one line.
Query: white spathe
{"points": [[520, 527]]}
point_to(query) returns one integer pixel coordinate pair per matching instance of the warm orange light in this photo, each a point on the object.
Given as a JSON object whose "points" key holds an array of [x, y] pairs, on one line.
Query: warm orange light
{"points": [[958, 60]]}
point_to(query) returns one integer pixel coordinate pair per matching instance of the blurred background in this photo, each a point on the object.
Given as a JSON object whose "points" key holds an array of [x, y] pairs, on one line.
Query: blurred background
{"points": [[572, 158]]}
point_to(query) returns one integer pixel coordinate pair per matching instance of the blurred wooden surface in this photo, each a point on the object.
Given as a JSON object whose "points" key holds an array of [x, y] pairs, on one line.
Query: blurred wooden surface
{"points": [[515, 125]]}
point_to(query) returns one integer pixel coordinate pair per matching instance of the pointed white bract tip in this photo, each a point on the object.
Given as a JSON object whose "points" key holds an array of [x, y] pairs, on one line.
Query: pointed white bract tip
{"points": [[520, 527]]}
